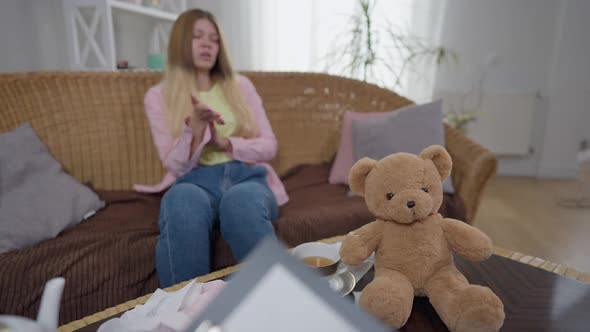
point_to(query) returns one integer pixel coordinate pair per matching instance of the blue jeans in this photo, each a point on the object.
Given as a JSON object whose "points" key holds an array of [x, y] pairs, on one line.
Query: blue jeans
{"points": [[232, 196]]}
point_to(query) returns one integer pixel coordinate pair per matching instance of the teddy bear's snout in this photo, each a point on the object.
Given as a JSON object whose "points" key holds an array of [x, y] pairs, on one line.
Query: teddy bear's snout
{"points": [[411, 204]]}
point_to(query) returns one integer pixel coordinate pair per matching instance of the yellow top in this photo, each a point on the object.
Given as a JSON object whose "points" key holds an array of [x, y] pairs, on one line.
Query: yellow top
{"points": [[216, 100]]}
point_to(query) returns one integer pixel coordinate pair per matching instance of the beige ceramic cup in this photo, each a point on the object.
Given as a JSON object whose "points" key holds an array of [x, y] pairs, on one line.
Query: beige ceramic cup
{"points": [[321, 257]]}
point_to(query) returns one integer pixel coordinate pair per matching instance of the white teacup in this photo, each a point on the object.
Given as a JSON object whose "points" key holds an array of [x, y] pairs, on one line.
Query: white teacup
{"points": [[321, 257]]}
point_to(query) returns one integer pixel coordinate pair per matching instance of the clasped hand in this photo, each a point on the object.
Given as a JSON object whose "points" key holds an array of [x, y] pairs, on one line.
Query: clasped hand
{"points": [[203, 116]]}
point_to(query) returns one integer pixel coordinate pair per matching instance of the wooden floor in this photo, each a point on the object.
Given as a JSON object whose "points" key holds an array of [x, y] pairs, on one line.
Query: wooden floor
{"points": [[523, 214]]}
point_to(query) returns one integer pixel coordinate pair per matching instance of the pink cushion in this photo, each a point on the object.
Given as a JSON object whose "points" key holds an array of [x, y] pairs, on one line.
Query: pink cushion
{"points": [[345, 155]]}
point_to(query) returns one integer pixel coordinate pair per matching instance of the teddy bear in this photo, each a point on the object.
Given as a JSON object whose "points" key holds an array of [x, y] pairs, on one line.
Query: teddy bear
{"points": [[414, 244]]}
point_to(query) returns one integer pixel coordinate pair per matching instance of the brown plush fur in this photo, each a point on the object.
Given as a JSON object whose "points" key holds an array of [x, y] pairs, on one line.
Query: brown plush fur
{"points": [[413, 244]]}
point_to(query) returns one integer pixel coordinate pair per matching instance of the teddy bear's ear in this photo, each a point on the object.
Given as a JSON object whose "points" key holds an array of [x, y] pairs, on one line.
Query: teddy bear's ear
{"points": [[358, 173], [441, 159]]}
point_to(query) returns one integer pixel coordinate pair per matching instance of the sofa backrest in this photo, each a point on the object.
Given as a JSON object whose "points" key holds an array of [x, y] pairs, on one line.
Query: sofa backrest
{"points": [[95, 125]]}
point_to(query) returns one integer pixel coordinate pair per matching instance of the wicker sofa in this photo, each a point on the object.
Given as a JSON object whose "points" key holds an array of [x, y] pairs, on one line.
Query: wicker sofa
{"points": [[94, 124]]}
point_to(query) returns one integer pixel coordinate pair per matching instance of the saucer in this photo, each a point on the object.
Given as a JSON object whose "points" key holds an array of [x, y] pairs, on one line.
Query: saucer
{"points": [[342, 283]]}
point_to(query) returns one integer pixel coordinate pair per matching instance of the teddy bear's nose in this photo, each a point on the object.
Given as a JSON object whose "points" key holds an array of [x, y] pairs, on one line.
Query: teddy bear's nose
{"points": [[411, 204]]}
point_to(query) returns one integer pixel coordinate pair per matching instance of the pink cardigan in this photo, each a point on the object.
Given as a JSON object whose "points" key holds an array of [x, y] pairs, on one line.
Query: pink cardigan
{"points": [[174, 153]]}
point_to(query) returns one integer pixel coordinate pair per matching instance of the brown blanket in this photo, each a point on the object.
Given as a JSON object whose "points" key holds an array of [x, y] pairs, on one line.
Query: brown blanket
{"points": [[109, 259]]}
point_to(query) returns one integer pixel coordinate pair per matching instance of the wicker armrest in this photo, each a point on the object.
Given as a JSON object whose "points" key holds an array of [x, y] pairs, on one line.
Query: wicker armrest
{"points": [[473, 167]]}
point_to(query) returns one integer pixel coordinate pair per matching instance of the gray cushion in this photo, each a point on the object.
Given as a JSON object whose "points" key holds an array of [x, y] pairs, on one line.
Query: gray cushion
{"points": [[37, 198], [410, 129]]}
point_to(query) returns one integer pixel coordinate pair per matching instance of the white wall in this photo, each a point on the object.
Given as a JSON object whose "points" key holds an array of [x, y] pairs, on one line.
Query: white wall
{"points": [[518, 32], [17, 37], [49, 26], [527, 37], [32, 35], [568, 87]]}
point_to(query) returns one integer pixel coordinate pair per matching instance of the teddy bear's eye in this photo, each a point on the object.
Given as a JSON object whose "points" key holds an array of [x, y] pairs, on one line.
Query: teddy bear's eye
{"points": [[389, 196], [425, 190]]}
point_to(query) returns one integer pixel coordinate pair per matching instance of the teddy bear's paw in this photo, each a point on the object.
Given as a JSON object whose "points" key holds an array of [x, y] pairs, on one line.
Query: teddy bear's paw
{"points": [[352, 258], [482, 311], [480, 319], [353, 240], [353, 251], [387, 302], [386, 310]]}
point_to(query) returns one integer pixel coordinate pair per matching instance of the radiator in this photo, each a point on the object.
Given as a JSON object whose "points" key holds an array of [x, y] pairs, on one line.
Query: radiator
{"points": [[504, 121]]}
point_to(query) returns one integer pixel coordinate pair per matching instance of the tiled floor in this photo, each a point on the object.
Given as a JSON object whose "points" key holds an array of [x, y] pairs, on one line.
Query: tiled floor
{"points": [[523, 214]]}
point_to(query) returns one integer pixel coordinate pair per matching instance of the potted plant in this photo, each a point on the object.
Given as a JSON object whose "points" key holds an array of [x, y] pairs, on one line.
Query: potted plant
{"points": [[361, 54]]}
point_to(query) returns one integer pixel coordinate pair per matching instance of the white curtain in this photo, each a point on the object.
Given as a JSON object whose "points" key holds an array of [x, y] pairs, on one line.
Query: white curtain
{"points": [[298, 35]]}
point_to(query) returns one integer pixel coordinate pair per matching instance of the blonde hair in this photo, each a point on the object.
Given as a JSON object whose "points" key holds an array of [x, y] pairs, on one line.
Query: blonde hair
{"points": [[180, 79]]}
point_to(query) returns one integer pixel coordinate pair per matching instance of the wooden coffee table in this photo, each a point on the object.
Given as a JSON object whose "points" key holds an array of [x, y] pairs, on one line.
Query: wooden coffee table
{"points": [[538, 295]]}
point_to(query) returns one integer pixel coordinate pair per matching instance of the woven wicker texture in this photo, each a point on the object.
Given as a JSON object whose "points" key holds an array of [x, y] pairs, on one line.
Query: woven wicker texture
{"points": [[95, 125], [308, 109], [473, 167], [526, 259]]}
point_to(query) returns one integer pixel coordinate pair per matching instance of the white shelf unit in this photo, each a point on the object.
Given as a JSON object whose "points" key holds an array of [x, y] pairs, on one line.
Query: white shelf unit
{"points": [[147, 11], [91, 35]]}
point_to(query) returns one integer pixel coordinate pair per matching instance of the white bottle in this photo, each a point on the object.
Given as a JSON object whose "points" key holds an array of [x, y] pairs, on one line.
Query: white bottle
{"points": [[48, 312]]}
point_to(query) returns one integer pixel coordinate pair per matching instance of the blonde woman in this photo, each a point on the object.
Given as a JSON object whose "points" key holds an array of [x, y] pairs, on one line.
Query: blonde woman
{"points": [[213, 138]]}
